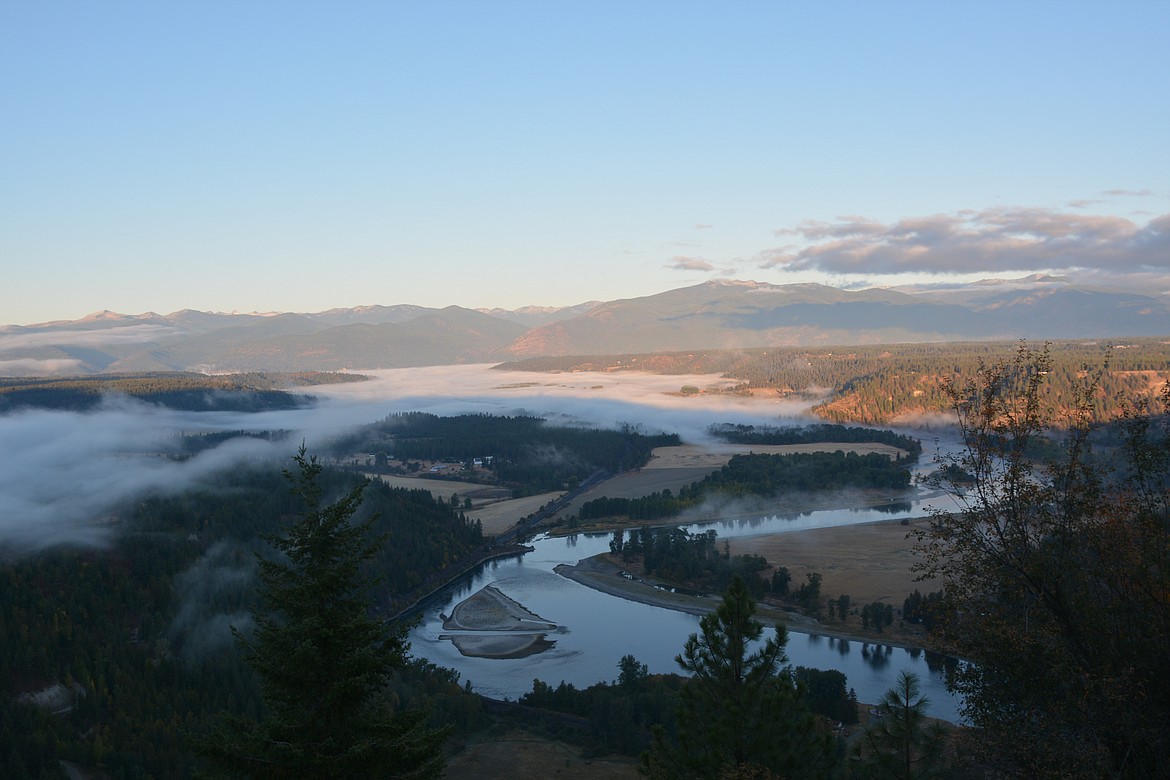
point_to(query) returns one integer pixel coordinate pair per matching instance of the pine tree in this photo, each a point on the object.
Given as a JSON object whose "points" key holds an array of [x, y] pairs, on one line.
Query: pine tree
{"points": [[899, 744], [741, 713], [323, 660]]}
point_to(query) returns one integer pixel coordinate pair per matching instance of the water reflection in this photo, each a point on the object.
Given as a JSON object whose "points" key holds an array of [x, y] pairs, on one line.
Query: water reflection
{"points": [[599, 629], [894, 508], [877, 656]]}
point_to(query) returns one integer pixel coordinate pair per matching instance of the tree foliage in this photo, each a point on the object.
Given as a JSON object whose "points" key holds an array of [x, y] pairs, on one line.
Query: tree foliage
{"points": [[812, 434], [693, 559], [740, 711], [899, 744], [1056, 576], [619, 716], [323, 660]]}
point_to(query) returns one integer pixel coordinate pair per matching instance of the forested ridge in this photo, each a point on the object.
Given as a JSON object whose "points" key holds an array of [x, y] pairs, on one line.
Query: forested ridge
{"points": [[244, 392], [137, 634], [876, 384]]}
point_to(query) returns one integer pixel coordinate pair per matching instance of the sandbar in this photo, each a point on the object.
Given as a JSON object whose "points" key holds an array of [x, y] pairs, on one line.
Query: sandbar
{"points": [[490, 610], [496, 626]]}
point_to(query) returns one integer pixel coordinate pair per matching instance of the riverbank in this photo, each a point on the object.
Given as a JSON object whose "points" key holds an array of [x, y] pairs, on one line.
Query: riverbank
{"points": [[409, 602], [602, 574]]}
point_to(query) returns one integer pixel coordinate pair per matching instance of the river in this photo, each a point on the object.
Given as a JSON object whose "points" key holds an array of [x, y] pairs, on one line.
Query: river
{"points": [[598, 629]]}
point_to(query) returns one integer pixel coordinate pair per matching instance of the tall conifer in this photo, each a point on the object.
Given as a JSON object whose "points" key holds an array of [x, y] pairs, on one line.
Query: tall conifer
{"points": [[323, 660], [741, 713]]}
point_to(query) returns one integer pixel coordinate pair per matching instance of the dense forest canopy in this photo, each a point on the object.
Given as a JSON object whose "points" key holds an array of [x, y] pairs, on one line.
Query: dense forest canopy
{"points": [[136, 635], [813, 434]]}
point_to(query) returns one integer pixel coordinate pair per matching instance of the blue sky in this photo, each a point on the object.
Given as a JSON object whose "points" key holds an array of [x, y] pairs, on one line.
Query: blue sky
{"points": [[289, 156]]}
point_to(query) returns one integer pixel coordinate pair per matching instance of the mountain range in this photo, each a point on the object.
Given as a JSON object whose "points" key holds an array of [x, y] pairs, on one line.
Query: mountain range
{"points": [[711, 315]]}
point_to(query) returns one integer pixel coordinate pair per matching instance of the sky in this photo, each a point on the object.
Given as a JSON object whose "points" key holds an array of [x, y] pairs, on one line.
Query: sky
{"points": [[293, 156]]}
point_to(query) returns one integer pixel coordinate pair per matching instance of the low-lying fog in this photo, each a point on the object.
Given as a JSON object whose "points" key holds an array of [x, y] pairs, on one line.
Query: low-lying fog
{"points": [[62, 473]]}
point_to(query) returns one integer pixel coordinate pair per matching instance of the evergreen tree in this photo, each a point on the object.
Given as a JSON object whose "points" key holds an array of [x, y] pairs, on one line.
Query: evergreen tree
{"points": [[323, 661], [899, 744], [741, 714]]}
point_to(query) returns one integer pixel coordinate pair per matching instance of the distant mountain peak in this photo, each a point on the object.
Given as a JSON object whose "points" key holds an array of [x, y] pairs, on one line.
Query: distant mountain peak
{"points": [[714, 314], [105, 315]]}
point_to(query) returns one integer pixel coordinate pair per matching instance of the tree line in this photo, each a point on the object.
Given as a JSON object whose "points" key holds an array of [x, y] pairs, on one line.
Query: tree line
{"points": [[816, 434], [763, 475]]}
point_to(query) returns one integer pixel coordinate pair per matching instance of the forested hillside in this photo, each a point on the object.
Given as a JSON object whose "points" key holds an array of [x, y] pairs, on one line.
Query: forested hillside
{"points": [[135, 639], [877, 384]]}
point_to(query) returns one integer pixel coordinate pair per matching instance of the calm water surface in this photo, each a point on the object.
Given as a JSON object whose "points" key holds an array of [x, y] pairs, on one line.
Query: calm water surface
{"points": [[598, 629]]}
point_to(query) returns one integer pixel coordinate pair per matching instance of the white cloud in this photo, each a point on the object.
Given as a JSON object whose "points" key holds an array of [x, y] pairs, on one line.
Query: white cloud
{"points": [[680, 263], [992, 240], [128, 334], [1130, 193], [46, 366]]}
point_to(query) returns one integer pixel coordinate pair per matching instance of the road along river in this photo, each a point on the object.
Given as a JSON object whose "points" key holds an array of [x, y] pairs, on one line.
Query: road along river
{"points": [[594, 630]]}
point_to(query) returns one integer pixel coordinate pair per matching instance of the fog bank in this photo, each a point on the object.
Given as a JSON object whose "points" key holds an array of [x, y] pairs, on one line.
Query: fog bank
{"points": [[63, 474]]}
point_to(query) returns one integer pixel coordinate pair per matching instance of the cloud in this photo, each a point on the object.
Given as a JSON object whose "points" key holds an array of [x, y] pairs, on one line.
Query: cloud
{"points": [[129, 334], [703, 226], [35, 366], [991, 240], [65, 475], [680, 263], [1130, 193]]}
